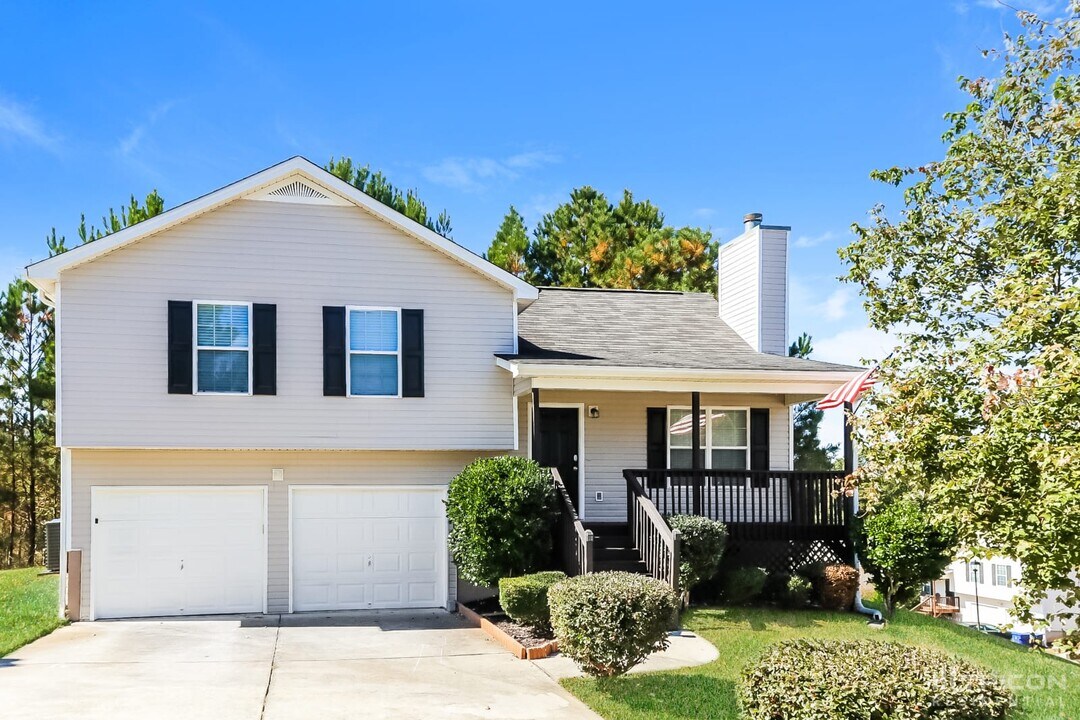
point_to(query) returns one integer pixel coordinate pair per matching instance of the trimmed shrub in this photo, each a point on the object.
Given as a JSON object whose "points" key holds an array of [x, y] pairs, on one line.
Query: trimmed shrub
{"points": [[796, 593], [813, 679], [775, 586], [742, 586], [838, 586], [701, 549], [525, 598], [609, 622], [501, 513]]}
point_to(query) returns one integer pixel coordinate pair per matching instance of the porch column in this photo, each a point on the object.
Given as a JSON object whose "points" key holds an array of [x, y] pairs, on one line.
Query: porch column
{"points": [[695, 448], [849, 447], [535, 424]]}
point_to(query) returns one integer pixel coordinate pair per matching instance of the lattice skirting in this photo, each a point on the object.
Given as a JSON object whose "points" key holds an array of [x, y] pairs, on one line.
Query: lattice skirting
{"points": [[787, 556]]}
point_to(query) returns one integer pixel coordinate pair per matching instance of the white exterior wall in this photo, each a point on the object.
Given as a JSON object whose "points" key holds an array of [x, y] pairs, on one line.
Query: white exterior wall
{"points": [[753, 287], [299, 257], [994, 601], [191, 467], [617, 440]]}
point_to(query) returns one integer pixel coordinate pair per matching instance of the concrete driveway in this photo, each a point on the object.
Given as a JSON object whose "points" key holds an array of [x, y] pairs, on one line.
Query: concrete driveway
{"points": [[322, 666]]}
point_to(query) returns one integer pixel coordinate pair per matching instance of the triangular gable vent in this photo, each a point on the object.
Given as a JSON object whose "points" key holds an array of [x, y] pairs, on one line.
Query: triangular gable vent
{"points": [[298, 191]]}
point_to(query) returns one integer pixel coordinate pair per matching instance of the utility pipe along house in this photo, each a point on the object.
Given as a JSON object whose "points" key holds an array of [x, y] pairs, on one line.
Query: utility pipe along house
{"points": [[263, 393]]}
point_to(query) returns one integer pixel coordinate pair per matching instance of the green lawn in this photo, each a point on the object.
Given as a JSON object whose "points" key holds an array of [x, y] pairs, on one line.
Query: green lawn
{"points": [[1046, 687], [28, 607]]}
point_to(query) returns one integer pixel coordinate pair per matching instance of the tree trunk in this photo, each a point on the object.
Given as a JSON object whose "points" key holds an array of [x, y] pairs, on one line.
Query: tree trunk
{"points": [[32, 469], [14, 483]]}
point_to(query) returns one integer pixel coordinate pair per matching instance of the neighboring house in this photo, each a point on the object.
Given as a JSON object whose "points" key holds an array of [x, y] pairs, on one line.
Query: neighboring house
{"points": [[982, 590], [263, 393]]}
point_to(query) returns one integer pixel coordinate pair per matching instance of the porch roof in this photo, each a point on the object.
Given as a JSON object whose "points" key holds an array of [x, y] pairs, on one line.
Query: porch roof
{"points": [[648, 337]]}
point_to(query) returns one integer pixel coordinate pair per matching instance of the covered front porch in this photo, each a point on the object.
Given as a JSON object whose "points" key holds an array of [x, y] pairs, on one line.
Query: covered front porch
{"points": [[627, 453]]}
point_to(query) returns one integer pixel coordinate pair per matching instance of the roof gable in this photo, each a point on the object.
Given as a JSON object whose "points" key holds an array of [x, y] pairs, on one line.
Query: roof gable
{"points": [[294, 180]]}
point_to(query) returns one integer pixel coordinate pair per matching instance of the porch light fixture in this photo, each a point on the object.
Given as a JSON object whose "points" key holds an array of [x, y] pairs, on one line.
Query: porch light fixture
{"points": [[594, 411]]}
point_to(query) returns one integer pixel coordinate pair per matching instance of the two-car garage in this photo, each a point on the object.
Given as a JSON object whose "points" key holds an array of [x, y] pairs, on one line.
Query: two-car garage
{"points": [[194, 550]]}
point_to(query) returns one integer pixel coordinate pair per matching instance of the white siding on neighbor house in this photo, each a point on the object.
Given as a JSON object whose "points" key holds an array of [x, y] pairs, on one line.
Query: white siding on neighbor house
{"points": [[100, 468], [753, 279], [299, 257], [616, 440]]}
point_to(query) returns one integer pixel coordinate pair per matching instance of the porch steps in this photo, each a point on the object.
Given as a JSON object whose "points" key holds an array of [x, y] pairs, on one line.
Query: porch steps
{"points": [[613, 548]]}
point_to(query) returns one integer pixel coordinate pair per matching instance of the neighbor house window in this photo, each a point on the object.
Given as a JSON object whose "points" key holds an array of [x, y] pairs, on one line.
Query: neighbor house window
{"points": [[374, 352], [223, 348], [724, 434], [1002, 575], [971, 572]]}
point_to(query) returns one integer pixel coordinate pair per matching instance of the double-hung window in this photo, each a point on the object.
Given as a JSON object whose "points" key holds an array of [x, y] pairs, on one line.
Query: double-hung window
{"points": [[223, 348], [374, 342], [723, 432], [1002, 575]]}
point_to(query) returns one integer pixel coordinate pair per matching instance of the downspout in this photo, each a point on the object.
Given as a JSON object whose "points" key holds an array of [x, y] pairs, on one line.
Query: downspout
{"points": [[849, 467]]}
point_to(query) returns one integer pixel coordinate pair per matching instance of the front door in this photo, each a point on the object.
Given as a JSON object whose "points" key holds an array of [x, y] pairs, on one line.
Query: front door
{"points": [[559, 446]]}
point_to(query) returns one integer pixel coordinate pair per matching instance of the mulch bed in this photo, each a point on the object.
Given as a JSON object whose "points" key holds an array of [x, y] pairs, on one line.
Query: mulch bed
{"points": [[490, 610]]}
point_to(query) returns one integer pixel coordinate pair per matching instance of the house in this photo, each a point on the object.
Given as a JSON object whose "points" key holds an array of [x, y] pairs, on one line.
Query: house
{"points": [[263, 393], [981, 591]]}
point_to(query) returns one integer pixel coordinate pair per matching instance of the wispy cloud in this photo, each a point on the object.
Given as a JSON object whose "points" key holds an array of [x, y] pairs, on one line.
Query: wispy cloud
{"points": [[1039, 7], [471, 174], [809, 241], [19, 124], [853, 346], [131, 142]]}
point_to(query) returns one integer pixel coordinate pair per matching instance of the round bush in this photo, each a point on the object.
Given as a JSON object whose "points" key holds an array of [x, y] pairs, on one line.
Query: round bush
{"points": [[796, 593], [838, 586], [813, 679], [701, 548], [742, 586], [525, 598], [609, 622], [501, 513]]}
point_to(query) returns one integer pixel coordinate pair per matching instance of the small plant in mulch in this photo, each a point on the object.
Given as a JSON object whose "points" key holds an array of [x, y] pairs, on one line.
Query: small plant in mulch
{"points": [[491, 610]]}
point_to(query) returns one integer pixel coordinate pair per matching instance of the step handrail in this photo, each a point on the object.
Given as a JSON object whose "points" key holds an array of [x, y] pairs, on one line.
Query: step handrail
{"points": [[577, 541], [657, 543]]}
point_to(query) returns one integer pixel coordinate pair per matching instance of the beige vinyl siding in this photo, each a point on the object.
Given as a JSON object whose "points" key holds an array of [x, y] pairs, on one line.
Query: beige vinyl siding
{"points": [[616, 440], [91, 468], [773, 330], [738, 287], [299, 257]]}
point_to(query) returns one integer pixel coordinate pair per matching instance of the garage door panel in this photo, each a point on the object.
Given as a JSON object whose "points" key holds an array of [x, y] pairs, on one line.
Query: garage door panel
{"points": [[384, 554], [177, 551]]}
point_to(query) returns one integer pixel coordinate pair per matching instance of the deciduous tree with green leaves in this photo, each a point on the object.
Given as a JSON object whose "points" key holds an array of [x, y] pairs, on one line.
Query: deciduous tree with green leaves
{"points": [[978, 280]]}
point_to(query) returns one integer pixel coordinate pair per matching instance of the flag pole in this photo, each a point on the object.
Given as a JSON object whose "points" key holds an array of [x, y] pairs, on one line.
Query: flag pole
{"points": [[849, 447]]}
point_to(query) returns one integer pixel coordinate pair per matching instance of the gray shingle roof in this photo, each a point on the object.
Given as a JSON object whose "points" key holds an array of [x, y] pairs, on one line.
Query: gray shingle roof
{"points": [[634, 328]]}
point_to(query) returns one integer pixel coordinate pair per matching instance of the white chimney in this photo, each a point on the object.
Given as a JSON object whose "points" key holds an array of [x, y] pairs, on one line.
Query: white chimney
{"points": [[754, 285]]}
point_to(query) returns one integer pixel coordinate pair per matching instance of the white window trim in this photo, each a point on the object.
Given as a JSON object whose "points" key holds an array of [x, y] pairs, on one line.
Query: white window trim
{"points": [[349, 352], [195, 344], [707, 446]]}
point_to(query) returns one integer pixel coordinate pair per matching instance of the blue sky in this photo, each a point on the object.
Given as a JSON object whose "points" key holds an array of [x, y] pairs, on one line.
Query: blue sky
{"points": [[711, 110]]}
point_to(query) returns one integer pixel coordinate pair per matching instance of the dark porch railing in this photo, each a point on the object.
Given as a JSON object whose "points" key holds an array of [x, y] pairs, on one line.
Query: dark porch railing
{"points": [[656, 543], [763, 505], [573, 541]]}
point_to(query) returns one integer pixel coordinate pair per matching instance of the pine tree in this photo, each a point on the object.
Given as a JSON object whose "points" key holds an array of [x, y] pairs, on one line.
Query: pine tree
{"points": [[809, 453], [510, 244], [379, 187]]}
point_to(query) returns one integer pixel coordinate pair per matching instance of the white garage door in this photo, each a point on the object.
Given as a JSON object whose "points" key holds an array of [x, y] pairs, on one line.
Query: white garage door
{"points": [[362, 547], [177, 551]]}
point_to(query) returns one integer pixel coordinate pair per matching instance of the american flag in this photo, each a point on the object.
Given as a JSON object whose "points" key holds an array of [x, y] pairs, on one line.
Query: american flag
{"points": [[849, 392], [682, 425]]}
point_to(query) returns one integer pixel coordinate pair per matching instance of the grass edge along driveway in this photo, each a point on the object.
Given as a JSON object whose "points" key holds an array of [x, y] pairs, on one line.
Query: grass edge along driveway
{"points": [[28, 607], [1045, 686]]}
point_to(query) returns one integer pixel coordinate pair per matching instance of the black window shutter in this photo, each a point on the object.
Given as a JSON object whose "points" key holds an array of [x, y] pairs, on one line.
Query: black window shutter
{"points": [[180, 347], [656, 422], [333, 321], [412, 353], [759, 441], [264, 349]]}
